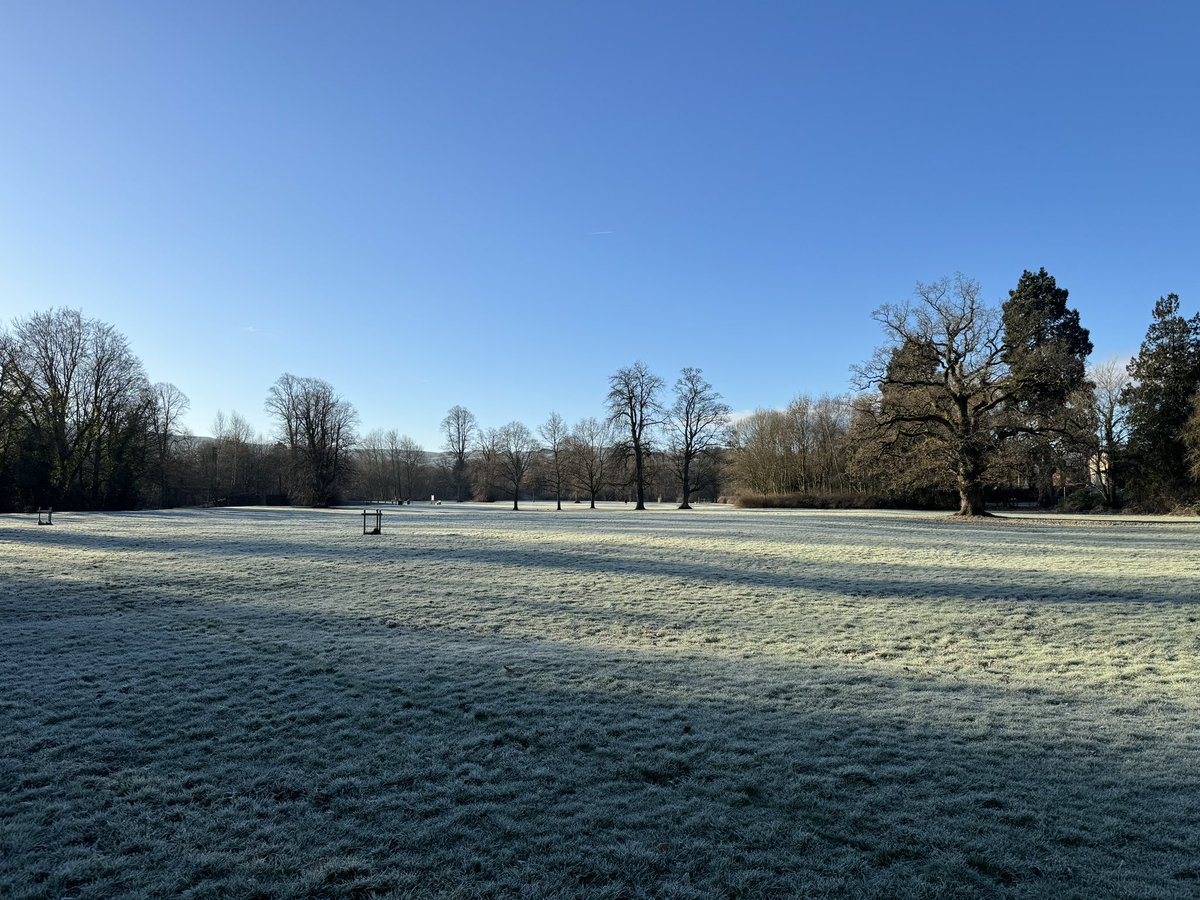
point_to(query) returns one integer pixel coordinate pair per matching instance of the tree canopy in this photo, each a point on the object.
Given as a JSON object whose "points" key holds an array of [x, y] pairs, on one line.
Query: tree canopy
{"points": [[956, 377]]}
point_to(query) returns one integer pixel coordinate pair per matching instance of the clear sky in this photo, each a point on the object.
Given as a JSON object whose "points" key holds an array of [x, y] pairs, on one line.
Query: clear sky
{"points": [[498, 204]]}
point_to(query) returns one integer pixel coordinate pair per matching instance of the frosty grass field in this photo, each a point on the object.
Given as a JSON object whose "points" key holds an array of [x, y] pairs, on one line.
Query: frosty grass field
{"points": [[486, 703]]}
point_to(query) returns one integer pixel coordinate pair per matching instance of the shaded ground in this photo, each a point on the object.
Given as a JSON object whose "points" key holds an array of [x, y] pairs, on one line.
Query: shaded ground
{"points": [[487, 703]]}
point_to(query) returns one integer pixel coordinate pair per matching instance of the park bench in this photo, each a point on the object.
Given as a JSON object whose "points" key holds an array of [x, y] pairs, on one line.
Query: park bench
{"points": [[46, 515], [1022, 504]]}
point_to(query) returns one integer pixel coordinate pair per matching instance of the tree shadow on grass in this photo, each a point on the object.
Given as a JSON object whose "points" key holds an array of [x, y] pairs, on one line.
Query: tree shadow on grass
{"points": [[849, 578], [235, 748]]}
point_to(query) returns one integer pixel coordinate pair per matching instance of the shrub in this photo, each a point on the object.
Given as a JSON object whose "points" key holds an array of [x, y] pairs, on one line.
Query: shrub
{"points": [[808, 500], [1081, 502]]}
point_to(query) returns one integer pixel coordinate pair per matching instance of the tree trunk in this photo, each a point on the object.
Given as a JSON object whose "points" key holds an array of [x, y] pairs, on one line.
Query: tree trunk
{"points": [[641, 484], [558, 499], [970, 465], [970, 489], [970, 501], [1105, 463], [593, 495], [687, 487]]}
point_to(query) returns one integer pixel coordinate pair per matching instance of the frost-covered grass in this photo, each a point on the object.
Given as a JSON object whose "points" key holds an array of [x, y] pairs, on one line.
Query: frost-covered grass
{"points": [[487, 703]]}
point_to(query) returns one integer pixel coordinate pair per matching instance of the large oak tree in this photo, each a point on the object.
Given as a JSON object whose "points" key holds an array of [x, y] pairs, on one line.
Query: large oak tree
{"points": [[957, 377]]}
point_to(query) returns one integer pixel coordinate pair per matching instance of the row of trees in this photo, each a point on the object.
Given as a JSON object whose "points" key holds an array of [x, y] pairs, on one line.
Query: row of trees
{"points": [[81, 426], [964, 398], [557, 461], [646, 441]]}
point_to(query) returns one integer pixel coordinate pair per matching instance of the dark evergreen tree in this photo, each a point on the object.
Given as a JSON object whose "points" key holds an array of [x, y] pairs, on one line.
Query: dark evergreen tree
{"points": [[1166, 376], [1045, 347], [1046, 351]]}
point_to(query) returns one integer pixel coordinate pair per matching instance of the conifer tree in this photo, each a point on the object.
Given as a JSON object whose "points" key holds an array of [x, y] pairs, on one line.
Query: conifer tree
{"points": [[1166, 376]]}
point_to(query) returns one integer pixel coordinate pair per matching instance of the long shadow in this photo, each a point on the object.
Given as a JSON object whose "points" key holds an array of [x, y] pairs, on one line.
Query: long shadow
{"points": [[815, 523], [960, 583], [183, 749], [976, 583], [387, 624], [817, 528]]}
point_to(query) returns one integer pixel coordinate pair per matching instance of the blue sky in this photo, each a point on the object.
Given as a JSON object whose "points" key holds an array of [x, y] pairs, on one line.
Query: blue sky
{"points": [[497, 205]]}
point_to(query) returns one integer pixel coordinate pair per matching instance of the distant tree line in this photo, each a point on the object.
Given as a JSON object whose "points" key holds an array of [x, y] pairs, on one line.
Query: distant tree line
{"points": [[965, 404], [82, 427], [650, 443], [77, 415]]}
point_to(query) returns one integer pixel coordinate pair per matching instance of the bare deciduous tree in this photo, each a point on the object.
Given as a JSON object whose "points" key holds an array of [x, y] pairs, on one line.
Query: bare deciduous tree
{"points": [[803, 448], [168, 406], [375, 477], [696, 423], [11, 401], [518, 450], [941, 376], [85, 396], [391, 444], [406, 460], [590, 456], [231, 458], [412, 462], [317, 426], [1109, 379], [459, 427], [485, 464], [554, 435], [634, 407]]}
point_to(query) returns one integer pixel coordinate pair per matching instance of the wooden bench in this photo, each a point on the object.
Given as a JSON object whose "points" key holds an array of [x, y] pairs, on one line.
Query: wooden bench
{"points": [[46, 516]]}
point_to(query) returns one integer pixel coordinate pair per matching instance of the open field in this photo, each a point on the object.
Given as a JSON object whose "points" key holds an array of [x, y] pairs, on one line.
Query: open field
{"points": [[487, 703]]}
